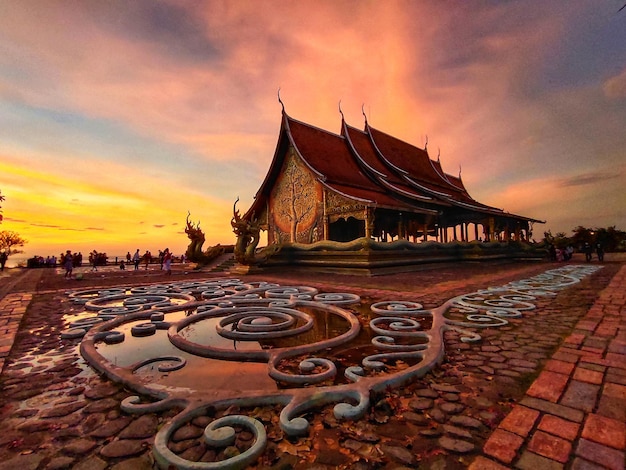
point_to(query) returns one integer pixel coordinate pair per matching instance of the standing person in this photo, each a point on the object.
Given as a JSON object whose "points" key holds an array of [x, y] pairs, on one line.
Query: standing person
{"points": [[147, 258], [128, 257], [600, 252], [68, 262], [3, 259], [93, 257], [587, 249], [167, 261], [136, 259]]}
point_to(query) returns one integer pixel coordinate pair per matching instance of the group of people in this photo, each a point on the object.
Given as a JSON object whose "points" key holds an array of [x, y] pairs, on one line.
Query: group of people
{"points": [[565, 254], [165, 258], [588, 250], [561, 254]]}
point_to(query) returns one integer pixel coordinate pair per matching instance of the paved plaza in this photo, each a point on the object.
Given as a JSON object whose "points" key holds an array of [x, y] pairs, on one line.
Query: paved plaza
{"points": [[546, 390]]}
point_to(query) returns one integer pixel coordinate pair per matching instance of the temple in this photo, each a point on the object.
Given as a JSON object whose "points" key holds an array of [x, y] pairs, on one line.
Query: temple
{"points": [[366, 183]]}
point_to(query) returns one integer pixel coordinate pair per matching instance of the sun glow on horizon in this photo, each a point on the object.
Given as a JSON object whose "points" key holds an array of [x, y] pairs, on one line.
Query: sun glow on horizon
{"points": [[119, 123]]}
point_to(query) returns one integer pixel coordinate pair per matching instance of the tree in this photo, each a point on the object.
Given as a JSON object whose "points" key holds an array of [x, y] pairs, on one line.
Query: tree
{"points": [[581, 236], [297, 199], [1, 199], [8, 240]]}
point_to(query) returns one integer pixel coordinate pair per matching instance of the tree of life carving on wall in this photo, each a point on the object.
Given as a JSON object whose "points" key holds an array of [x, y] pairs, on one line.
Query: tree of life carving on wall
{"points": [[294, 200]]}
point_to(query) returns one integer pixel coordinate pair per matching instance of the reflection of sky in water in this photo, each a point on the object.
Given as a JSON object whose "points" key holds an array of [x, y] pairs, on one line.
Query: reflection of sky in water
{"points": [[216, 374], [199, 372]]}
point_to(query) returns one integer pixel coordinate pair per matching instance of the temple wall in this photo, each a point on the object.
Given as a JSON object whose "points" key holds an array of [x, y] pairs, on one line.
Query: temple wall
{"points": [[296, 204]]}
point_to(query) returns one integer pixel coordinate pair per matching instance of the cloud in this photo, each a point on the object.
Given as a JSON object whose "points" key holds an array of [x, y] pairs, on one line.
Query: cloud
{"points": [[158, 225], [589, 178], [615, 87], [45, 225]]}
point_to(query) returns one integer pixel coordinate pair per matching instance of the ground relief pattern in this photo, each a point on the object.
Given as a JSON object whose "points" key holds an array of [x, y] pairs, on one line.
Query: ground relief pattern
{"points": [[289, 342]]}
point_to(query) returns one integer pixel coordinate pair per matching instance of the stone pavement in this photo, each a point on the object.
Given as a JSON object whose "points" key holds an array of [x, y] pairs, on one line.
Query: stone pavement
{"points": [[572, 416], [577, 405]]}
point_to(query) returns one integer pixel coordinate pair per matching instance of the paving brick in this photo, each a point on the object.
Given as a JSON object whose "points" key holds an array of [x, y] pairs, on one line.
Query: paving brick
{"points": [[531, 461], [581, 464], [605, 431], [615, 390], [603, 455], [503, 445], [550, 446], [591, 366], [548, 386], [565, 357], [482, 463], [618, 360], [520, 420], [587, 375], [581, 395], [565, 412], [559, 366], [611, 407], [559, 427], [575, 339]]}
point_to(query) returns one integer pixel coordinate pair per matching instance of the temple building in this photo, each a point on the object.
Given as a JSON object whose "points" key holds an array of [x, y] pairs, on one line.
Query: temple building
{"points": [[366, 183]]}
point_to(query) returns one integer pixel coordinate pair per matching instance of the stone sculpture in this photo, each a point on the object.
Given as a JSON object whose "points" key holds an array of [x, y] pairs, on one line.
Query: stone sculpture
{"points": [[194, 251]]}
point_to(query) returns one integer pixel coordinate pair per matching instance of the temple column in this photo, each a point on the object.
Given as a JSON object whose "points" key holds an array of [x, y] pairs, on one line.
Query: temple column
{"points": [[454, 231], [425, 232], [475, 231], [368, 223], [324, 217]]}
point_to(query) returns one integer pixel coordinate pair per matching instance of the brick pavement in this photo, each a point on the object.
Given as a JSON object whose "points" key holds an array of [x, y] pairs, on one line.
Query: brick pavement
{"points": [[574, 414], [12, 309]]}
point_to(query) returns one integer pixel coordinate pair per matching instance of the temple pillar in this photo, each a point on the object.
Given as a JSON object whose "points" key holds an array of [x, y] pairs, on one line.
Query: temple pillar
{"points": [[454, 231], [369, 223], [475, 231], [326, 227], [425, 232]]}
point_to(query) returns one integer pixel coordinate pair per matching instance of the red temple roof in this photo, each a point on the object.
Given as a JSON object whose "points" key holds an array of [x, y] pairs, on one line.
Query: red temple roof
{"points": [[373, 167]]}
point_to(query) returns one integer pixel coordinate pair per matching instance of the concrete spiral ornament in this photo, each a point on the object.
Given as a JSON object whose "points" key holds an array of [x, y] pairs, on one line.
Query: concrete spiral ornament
{"points": [[206, 347]]}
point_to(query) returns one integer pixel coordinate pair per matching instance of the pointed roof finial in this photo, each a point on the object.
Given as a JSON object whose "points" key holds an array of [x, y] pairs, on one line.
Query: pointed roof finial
{"points": [[426, 144], [340, 111], [280, 101], [363, 111], [459, 171], [438, 153]]}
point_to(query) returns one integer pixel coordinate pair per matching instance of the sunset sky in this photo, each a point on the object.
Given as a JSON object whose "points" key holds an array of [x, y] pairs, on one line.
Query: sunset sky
{"points": [[116, 117]]}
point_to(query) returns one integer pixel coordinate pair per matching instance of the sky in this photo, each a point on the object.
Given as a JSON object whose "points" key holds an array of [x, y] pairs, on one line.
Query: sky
{"points": [[118, 118]]}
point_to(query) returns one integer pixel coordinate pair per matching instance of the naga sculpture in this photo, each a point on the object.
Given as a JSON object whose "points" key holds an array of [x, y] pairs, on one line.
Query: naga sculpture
{"points": [[194, 250], [248, 235]]}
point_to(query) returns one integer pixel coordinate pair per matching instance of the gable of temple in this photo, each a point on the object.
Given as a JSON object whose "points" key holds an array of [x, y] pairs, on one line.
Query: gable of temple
{"points": [[366, 183]]}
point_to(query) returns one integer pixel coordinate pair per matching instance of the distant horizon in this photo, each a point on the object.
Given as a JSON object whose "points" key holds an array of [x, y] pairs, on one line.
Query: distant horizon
{"points": [[131, 115]]}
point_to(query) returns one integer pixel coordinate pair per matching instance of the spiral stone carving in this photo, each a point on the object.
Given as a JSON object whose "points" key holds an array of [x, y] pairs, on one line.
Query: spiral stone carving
{"points": [[220, 330]]}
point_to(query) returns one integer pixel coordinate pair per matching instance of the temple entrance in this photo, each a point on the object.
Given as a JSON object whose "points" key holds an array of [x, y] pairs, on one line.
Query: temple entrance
{"points": [[346, 230]]}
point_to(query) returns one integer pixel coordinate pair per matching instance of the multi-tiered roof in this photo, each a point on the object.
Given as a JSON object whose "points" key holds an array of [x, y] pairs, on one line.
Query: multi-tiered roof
{"points": [[380, 171]]}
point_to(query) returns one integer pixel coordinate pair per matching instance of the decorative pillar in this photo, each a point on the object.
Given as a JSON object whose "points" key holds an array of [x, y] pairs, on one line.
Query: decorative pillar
{"points": [[475, 231], [368, 223]]}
